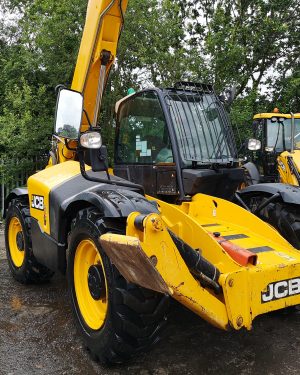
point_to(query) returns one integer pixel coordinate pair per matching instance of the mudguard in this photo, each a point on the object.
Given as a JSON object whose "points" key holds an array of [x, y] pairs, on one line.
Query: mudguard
{"points": [[66, 200], [18, 192], [289, 193], [109, 200], [253, 172]]}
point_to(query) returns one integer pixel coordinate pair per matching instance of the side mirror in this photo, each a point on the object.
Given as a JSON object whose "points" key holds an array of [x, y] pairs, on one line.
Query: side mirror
{"points": [[68, 117], [254, 144]]}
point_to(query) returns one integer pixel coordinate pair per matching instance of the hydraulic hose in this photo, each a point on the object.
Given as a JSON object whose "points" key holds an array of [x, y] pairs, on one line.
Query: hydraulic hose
{"points": [[200, 267]]}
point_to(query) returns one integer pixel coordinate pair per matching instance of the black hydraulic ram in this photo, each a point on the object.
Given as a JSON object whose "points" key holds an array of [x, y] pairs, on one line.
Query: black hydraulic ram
{"points": [[201, 268]]}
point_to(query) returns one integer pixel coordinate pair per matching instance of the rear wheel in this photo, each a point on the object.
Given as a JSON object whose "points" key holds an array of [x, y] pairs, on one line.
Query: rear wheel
{"points": [[282, 216], [22, 263], [117, 319], [286, 219]]}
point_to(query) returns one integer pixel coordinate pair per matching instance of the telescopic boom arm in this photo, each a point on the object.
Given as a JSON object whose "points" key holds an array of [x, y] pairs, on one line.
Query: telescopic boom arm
{"points": [[103, 26]]}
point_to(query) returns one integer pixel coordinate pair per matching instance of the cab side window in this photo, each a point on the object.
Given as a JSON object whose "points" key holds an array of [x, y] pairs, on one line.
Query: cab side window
{"points": [[143, 136], [258, 129]]}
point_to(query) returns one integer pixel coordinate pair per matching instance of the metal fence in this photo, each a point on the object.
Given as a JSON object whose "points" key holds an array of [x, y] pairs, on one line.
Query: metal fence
{"points": [[15, 172]]}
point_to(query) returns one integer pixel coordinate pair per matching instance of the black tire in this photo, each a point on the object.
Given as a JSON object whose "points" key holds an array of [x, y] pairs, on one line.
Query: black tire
{"points": [[135, 316], [30, 271], [283, 217]]}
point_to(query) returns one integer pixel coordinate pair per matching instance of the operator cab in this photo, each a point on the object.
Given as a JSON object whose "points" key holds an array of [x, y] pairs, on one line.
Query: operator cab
{"points": [[176, 142]]}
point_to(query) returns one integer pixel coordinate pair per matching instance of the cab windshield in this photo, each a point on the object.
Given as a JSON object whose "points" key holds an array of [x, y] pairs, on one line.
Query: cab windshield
{"points": [[279, 134], [202, 128]]}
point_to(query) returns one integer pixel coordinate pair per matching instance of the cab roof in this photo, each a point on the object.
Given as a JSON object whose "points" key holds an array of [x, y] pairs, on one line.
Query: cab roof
{"points": [[259, 116]]}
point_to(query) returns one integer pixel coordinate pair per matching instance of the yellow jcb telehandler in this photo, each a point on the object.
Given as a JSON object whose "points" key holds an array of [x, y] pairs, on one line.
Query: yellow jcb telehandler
{"points": [[130, 238], [277, 158]]}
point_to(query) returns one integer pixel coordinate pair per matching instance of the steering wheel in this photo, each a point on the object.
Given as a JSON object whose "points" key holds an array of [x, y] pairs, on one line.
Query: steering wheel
{"points": [[165, 155]]}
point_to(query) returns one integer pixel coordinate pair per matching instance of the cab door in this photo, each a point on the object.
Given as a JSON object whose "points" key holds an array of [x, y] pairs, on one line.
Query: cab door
{"points": [[143, 150]]}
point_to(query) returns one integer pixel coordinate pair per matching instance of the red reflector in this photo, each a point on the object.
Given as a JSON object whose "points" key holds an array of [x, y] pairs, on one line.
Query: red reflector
{"points": [[239, 254]]}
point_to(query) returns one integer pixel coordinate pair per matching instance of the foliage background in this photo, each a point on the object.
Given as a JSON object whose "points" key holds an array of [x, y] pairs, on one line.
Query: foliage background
{"points": [[252, 45]]}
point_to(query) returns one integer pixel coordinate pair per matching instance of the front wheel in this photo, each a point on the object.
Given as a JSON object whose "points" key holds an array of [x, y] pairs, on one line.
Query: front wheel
{"points": [[117, 319], [22, 263]]}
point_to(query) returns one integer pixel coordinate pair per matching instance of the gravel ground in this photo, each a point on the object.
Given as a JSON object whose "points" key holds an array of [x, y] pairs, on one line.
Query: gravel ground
{"points": [[37, 336], [2, 245]]}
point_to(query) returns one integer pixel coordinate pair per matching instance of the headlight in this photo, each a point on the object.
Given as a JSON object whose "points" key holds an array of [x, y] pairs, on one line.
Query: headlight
{"points": [[91, 140], [254, 144], [269, 149]]}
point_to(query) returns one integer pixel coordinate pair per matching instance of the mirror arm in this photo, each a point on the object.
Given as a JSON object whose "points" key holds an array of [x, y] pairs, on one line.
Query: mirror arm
{"points": [[88, 119], [102, 180], [57, 138], [59, 87]]}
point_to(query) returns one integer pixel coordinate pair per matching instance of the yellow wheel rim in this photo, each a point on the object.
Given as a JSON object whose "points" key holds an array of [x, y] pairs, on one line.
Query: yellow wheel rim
{"points": [[16, 242], [93, 310]]}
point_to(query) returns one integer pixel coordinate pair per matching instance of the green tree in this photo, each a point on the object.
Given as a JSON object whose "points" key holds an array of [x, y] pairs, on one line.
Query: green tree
{"points": [[254, 46], [28, 132], [37, 51]]}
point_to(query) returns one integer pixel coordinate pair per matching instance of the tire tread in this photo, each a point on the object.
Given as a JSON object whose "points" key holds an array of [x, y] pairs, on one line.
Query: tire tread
{"points": [[33, 272], [139, 315]]}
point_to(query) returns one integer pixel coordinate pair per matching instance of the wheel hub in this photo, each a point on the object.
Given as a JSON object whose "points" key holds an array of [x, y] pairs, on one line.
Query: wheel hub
{"points": [[20, 241], [96, 282]]}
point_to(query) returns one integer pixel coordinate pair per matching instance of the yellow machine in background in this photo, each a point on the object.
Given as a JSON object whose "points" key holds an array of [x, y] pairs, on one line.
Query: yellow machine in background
{"points": [[273, 170], [278, 159], [131, 239]]}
